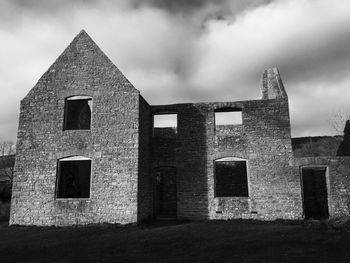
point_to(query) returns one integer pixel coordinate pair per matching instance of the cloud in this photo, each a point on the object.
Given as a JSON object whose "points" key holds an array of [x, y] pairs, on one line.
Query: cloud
{"points": [[308, 41], [184, 6], [183, 51]]}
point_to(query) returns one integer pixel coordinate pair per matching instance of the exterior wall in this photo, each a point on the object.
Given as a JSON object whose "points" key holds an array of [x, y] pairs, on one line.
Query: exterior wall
{"points": [[145, 183], [187, 152], [111, 143], [263, 140], [126, 151], [274, 189], [338, 181]]}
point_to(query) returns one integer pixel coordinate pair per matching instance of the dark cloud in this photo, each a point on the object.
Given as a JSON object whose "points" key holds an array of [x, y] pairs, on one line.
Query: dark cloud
{"points": [[186, 6], [183, 51], [47, 5], [12, 10], [205, 9]]}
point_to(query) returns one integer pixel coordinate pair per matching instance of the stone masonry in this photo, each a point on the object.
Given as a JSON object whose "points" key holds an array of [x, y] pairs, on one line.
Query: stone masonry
{"points": [[131, 160]]}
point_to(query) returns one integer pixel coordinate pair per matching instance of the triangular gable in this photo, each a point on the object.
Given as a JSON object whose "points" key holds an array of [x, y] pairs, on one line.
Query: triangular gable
{"points": [[84, 64]]}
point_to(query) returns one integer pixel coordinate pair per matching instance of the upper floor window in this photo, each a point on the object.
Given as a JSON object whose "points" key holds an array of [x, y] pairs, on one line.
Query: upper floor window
{"points": [[77, 113], [228, 125], [228, 117], [165, 124]]}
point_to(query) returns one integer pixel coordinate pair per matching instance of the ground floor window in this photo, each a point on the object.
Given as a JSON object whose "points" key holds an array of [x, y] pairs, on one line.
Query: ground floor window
{"points": [[231, 178], [73, 177]]}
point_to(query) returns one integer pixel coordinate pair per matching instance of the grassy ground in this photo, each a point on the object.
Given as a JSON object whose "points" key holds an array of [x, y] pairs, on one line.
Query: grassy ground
{"points": [[232, 241]]}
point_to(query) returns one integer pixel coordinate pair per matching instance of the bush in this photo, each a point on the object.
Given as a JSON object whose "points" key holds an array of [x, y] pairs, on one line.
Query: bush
{"points": [[340, 223], [4, 211], [5, 193]]}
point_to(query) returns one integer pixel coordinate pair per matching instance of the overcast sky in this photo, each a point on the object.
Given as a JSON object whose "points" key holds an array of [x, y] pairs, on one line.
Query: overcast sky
{"points": [[188, 51]]}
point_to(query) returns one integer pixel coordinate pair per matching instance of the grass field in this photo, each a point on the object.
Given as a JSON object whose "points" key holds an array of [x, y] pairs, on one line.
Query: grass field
{"points": [[216, 241]]}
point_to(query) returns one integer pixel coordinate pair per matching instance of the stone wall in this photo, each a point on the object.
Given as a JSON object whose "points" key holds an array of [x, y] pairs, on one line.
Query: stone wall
{"points": [[187, 152], [112, 143], [271, 85], [263, 140], [266, 146], [337, 179], [126, 151], [145, 183]]}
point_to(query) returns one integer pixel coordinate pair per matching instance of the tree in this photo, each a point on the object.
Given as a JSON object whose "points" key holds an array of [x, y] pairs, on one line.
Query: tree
{"points": [[7, 159], [316, 146], [344, 147], [338, 119]]}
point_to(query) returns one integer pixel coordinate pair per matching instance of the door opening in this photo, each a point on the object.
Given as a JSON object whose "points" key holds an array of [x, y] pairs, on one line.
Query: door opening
{"points": [[165, 192], [315, 199]]}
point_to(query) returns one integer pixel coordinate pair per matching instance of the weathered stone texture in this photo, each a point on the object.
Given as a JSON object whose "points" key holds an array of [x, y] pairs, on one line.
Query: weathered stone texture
{"points": [[271, 85], [337, 179], [263, 140], [265, 144], [187, 152], [112, 142], [145, 183], [128, 154]]}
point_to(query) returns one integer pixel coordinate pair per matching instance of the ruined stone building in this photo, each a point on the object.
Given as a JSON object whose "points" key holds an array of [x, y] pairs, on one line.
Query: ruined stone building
{"points": [[89, 150]]}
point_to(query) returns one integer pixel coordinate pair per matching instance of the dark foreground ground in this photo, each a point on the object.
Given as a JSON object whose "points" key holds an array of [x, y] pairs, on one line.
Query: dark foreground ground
{"points": [[232, 241]]}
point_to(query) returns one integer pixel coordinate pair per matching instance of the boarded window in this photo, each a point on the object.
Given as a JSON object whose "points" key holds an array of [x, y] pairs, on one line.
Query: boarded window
{"points": [[74, 178], [77, 115], [231, 179]]}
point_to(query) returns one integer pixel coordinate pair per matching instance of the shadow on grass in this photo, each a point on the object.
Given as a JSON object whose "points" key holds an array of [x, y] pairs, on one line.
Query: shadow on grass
{"points": [[205, 241]]}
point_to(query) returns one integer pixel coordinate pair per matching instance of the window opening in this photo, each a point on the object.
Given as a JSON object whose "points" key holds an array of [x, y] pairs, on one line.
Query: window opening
{"points": [[228, 118], [77, 115], [165, 124], [74, 175], [231, 179]]}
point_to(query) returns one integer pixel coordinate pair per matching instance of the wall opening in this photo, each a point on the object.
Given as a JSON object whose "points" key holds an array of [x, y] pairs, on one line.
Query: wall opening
{"points": [[228, 126], [77, 113], [315, 199], [224, 117], [164, 125], [166, 192], [73, 177], [231, 179]]}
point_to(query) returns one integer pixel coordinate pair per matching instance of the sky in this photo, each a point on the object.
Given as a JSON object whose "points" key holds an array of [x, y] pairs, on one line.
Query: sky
{"points": [[180, 51]]}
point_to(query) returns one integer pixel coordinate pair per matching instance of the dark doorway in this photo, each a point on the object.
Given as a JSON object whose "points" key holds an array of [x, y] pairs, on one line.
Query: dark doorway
{"points": [[166, 192], [315, 192]]}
